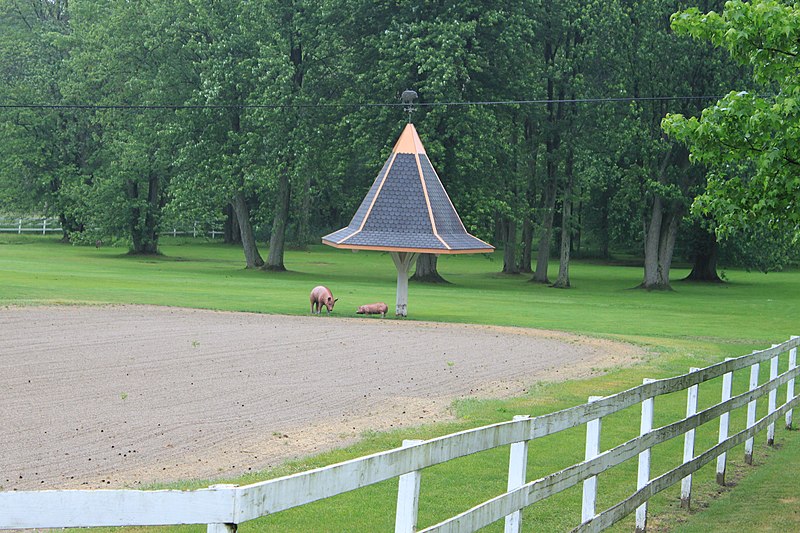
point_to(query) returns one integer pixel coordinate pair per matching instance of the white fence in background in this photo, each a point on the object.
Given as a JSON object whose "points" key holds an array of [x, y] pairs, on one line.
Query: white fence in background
{"points": [[40, 225], [194, 232], [224, 506], [45, 225]]}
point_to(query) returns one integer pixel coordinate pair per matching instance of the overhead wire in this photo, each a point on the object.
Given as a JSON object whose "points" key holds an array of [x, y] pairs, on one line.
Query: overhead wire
{"points": [[620, 99]]}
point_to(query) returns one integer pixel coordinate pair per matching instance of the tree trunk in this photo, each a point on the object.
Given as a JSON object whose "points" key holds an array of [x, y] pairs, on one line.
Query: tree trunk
{"points": [[426, 271], [143, 226], [499, 229], [603, 230], [151, 218], [530, 198], [231, 232], [704, 266], [527, 247], [555, 114], [666, 249], [562, 282], [659, 247], [543, 255], [277, 240], [69, 225], [510, 246], [577, 230], [304, 222], [251, 255], [659, 239], [653, 275]]}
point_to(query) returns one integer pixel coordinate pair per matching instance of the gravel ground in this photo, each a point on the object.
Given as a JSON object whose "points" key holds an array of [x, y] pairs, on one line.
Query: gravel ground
{"points": [[122, 396]]}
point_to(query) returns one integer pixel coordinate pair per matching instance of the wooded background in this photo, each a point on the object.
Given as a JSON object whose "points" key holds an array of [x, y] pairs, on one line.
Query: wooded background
{"points": [[258, 116]]}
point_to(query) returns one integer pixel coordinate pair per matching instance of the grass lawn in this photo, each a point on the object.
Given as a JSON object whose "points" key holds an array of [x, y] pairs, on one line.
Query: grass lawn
{"points": [[695, 325]]}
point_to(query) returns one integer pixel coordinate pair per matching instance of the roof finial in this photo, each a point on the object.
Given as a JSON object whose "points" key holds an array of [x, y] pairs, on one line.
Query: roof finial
{"points": [[408, 98]]}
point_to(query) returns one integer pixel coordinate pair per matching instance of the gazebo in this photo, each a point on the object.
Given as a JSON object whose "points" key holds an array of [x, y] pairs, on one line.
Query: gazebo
{"points": [[407, 212]]}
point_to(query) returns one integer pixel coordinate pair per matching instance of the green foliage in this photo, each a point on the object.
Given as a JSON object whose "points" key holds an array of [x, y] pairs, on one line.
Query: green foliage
{"points": [[757, 247], [764, 500], [117, 174], [40, 151], [749, 138]]}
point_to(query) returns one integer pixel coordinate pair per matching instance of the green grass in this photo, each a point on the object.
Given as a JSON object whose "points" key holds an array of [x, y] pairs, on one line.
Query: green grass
{"points": [[762, 501], [751, 310], [695, 325]]}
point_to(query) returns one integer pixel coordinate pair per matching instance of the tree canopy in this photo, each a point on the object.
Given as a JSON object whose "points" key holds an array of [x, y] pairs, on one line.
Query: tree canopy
{"points": [[750, 139], [273, 119]]}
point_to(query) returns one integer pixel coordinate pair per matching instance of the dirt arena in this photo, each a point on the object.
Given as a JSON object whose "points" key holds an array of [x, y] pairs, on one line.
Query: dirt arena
{"points": [[124, 396]]}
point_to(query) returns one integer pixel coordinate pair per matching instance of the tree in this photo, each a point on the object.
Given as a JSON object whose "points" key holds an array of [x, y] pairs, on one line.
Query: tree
{"points": [[120, 54], [760, 248], [557, 56], [43, 152], [654, 170], [750, 141], [220, 157], [703, 250], [447, 53]]}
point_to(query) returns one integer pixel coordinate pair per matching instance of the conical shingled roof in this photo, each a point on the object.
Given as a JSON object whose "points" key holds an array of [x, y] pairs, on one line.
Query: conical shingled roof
{"points": [[407, 209]]}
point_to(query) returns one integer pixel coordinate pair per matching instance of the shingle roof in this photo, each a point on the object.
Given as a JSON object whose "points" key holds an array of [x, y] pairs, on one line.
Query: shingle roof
{"points": [[407, 209]]}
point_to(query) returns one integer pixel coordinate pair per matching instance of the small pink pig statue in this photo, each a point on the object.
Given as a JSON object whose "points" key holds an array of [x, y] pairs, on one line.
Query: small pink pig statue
{"points": [[321, 296], [373, 309]]}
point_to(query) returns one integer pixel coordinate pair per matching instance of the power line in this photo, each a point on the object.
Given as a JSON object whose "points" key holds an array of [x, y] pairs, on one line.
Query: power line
{"points": [[621, 99]]}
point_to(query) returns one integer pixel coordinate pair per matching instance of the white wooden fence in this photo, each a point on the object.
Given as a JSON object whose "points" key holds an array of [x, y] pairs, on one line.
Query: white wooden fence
{"points": [[224, 506], [19, 225], [45, 225]]}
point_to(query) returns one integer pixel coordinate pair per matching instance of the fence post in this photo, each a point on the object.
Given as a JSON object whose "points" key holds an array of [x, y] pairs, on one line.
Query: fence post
{"points": [[773, 398], [19, 227], [790, 385], [221, 528], [44, 225], [644, 460], [592, 450], [194, 229], [688, 444], [751, 415], [517, 472], [407, 498], [724, 419]]}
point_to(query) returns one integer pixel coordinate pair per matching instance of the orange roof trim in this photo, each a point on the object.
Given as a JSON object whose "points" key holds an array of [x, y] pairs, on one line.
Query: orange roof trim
{"points": [[409, 142]]}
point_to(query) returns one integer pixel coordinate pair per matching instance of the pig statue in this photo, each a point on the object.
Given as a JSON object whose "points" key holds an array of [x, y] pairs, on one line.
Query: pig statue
{"points": [[373, 309], [321, 296]]}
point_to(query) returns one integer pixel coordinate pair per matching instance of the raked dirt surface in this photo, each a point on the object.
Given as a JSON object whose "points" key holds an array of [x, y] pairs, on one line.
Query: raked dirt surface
{"points": [[125, 396]]}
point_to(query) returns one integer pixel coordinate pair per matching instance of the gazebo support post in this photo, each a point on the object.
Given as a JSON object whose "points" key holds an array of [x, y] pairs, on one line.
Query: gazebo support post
{"points": [[403, 261]]}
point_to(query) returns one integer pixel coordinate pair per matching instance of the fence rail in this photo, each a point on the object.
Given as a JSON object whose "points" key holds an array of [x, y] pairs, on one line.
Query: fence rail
{"points": [[19, 225], [222, 507], [45, 225]]}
